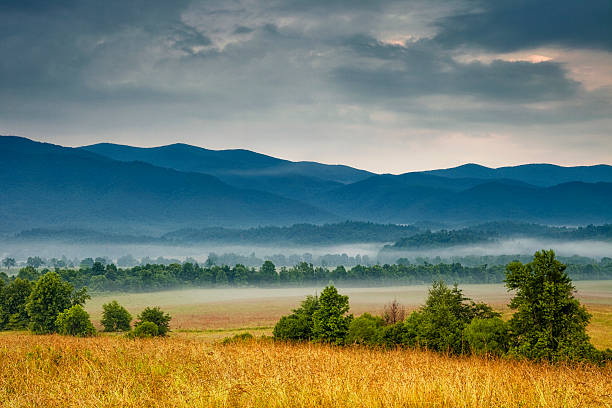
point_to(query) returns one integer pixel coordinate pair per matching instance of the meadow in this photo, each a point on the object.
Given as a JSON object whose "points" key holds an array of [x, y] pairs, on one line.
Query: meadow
{"points": [[211, 314], [110, 371]]}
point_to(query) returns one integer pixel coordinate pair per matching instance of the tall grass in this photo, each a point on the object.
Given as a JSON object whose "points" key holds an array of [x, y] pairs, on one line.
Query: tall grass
{"points": [[55, 371]]}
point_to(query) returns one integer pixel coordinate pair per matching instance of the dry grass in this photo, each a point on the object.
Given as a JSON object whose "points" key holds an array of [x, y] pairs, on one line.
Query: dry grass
{"points": [[55, 371]]}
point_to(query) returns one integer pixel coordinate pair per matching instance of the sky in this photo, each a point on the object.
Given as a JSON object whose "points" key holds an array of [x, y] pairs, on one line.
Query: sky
{"points": [[386, 86]]}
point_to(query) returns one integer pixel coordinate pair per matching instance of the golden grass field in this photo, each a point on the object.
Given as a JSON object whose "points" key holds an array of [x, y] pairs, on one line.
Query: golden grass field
{"points": [[111, 371], [192, 368]]}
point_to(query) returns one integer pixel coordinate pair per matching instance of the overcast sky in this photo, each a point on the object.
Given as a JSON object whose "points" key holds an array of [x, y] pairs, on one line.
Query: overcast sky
{"points": [[388, 86]]}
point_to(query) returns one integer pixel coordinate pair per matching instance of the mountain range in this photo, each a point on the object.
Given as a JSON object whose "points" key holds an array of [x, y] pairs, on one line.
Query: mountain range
{"points": [[116, 188]]}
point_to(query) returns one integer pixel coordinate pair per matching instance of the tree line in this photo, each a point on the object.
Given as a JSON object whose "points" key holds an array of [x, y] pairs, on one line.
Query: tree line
{"points": [[100, 277], [548, 323]]}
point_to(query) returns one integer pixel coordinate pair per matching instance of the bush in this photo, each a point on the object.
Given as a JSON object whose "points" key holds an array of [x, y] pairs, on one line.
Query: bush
{"points": [[145, 330], [366, 329], [238, 338], [157, 316], [298, 325], [115, 317], [487, 336], [75, 322]]}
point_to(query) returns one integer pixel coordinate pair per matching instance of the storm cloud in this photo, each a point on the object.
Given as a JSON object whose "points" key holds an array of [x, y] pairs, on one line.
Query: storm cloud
{"points": [[388, 86]]}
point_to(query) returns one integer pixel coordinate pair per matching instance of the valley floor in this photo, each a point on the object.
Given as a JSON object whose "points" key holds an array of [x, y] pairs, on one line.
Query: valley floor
{"points": [[112, 371]]}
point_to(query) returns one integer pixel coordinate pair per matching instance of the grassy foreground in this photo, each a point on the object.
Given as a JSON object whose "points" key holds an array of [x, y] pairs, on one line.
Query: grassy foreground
{"points": [[107, 371]]}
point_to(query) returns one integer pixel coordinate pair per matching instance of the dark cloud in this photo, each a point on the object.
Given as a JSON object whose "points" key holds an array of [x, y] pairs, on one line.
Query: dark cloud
{"points": [[509, 25], [264, 68], [416, 69]]}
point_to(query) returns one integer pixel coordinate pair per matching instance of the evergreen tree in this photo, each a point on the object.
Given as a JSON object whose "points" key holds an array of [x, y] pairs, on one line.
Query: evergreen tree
{"points": [[549, 322], [330, 320]]}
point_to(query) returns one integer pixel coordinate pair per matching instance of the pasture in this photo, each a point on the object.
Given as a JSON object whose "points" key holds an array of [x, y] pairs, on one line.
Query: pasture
{"points": [[211, 314]]}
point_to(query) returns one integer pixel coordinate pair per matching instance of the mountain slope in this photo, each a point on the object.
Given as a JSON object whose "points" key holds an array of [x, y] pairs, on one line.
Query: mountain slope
{"points": [[227, 162], [389, 199], [50, 185]]}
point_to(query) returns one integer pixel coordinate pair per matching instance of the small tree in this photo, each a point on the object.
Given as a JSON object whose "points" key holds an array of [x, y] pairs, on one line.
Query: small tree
{"points": [[13, 298], [268, 272], [330, 322], [549, 322], [75, 322], [394, 312], [49, 297], [35, 262], [157, 316], [115, 317], [9, 262]]}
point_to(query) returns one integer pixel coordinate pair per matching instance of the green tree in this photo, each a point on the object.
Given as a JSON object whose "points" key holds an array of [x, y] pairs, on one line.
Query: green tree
{"points": [[444, 316], [9, 262], [268, 272], [13, 298], [29, 273], [298, 325], [330, 320], [115, 317], [74, 322], [157, 316], [35, 262], [49, 297], [549, 322]]}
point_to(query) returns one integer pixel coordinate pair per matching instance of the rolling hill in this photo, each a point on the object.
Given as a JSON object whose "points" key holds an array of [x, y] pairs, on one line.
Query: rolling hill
{"points": [[46, 185], [125, 189]]}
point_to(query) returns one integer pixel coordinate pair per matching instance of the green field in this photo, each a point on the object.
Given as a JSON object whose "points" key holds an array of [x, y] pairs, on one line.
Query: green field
{"points": [[217, 313]]}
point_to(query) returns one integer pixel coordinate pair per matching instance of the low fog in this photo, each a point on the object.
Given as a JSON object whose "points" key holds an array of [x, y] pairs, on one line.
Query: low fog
{"points": [[349, 254]]}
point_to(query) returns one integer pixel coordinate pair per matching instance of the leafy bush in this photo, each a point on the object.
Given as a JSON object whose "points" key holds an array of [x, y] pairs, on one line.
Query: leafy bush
{"points": [[330, 322], [487, 336], [75, 322], [366, 329], [238, 338], [298, 325], [157, 316], [115, 317], [145, 330]]}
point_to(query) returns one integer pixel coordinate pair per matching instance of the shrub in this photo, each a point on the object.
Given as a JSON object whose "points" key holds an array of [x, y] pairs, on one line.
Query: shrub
{"points": [[115, 317], [487, 336], [145, 330], [330, 322], [298, 325], [366, 329], [157, 316], [75, 322], [238, 338]]}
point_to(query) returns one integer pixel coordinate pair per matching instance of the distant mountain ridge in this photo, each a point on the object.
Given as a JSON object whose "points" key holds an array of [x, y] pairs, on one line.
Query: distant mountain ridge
{"points": [[118, 188], [544, 175]]}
